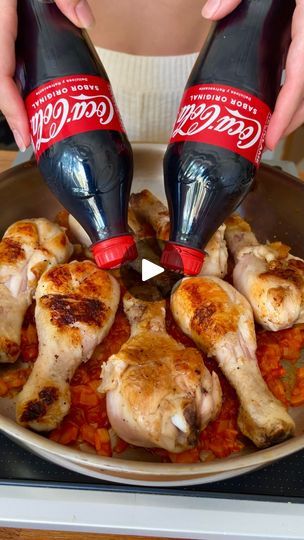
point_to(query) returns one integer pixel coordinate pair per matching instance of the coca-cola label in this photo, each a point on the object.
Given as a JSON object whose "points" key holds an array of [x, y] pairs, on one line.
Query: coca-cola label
{"points": [[223, 116], [70, 105]]}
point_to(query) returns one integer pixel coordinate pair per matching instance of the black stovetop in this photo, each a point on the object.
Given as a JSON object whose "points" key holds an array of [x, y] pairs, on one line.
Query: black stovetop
{"points": [[282, 481]]}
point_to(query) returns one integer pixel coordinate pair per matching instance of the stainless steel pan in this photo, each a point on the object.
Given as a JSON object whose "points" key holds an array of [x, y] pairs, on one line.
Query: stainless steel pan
{"points": [[275, 209]]}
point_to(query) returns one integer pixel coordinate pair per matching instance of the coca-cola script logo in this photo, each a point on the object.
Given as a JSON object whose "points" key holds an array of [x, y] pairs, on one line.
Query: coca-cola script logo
{"points": [[54, 118], [47, 124], [223, 125], [194, 119]]}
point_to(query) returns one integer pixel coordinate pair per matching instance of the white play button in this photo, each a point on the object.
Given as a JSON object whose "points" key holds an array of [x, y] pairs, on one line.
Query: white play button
{"points": [[150, 270]]}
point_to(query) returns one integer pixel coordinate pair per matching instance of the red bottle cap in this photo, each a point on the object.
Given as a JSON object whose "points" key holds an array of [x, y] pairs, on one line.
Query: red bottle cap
{"points": [[114, 252], [188, 261]]}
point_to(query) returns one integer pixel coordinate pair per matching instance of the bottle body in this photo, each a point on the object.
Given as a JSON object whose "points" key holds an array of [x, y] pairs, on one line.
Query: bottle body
{"points": [[218, 138], [77, 134]]}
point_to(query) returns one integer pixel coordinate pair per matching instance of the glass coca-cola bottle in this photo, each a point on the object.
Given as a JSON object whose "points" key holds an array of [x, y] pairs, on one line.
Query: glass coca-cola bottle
{"points": [[219, 134], [77, 134]]}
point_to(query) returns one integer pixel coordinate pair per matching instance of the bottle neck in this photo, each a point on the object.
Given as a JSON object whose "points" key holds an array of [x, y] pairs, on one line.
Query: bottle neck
{"points": [[244, 48], [50, 46]]}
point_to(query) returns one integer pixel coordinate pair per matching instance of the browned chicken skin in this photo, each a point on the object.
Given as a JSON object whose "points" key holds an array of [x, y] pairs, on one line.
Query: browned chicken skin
{"points": [[75, 308], [158, 392], [149, 208], [269, 277], [27, 249], [220, 321]]}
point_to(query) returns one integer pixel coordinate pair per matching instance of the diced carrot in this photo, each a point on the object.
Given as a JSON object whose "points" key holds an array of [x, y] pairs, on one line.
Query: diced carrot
{"points": [[29, 344], [94, 384], [29, 352], [277, 388], [67, 433], [297, 396], [189, 456], [103, 442], [300, 373], [29, 338], [297, 399], [221, 444], [83, 395], [80, 377], [55, 434], [3, 388], [87, 433], [76, 416], [94, 371], [98, 415], [103, 435], [120, 446]]}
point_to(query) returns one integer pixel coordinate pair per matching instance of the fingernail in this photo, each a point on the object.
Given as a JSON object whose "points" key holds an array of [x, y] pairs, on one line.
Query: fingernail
{"points": [[19, 140], [84, 14], [210, 8]]}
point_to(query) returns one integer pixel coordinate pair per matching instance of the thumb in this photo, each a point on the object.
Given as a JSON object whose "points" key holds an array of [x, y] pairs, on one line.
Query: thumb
{"points": [[217, 9], [78, 11]]}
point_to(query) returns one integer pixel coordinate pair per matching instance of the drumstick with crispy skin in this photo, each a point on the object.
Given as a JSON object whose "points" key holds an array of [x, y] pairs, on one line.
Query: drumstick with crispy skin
{"points": [[27, 249], [270, 278], [220, 321], [75, 308], [159, 393], [149, 208]]}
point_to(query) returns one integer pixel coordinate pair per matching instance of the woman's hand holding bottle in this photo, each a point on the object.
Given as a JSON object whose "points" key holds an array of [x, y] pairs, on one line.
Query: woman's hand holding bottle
{"points": [[11, 103], [289, 110]]}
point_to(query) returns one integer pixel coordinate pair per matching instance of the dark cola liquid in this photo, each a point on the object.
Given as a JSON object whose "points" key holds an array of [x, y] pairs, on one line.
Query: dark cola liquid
{"points": [[96, 169], [204, 183], [210, 183], [91, 172]]}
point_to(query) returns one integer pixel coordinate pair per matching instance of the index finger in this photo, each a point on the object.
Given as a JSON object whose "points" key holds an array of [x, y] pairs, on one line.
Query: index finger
{"points": [[78, 11], [217, 9]]}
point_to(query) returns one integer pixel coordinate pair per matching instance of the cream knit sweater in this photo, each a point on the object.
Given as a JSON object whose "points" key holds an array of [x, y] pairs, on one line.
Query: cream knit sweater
{"points": [[148, 90]]}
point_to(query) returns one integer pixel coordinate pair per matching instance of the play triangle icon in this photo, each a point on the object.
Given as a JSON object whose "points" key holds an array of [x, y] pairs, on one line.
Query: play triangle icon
{"points": [[149, 269]]}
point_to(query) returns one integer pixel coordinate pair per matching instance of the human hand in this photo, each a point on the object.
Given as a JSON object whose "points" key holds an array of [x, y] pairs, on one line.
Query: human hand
{"points": [[11, 103], [288, 114]]}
